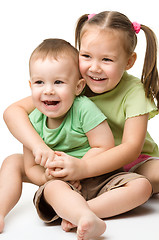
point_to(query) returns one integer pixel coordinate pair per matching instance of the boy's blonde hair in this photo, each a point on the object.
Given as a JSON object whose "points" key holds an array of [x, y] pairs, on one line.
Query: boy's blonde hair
{"points": [[55, 48]]}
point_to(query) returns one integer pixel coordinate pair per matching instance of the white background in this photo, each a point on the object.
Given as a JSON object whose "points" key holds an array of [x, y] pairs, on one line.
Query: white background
{"points": [[26, 23]]}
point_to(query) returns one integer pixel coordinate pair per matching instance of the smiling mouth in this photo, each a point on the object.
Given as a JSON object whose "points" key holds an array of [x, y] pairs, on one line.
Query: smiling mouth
{"points": [[50, 103], [97, 79]]}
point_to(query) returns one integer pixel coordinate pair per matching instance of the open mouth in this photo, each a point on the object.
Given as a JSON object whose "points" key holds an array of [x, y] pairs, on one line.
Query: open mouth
{"points": [[50, 103], [97, 79]]}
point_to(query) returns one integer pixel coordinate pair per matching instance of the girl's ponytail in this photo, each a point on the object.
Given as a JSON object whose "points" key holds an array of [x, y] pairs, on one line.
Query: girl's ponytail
{"points": [[118, 21], [80, 23], [150, 77]]}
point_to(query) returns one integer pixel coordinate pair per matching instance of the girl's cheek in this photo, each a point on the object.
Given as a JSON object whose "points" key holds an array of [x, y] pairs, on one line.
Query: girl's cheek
{"points": [[82, 68]]}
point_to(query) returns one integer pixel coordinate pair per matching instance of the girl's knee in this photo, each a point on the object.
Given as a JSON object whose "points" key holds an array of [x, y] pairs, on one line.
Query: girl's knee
{"points": [[142, 187]]}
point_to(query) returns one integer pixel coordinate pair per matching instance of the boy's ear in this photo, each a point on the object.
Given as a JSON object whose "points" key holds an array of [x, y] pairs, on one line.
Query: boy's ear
{"points": [[131, 61], [30, 83], [80, 86]]}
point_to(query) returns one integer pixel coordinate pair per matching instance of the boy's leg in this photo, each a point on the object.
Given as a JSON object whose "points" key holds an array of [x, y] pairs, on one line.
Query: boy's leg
{"points": [[122, 199], [71, 206], [11, 177]]}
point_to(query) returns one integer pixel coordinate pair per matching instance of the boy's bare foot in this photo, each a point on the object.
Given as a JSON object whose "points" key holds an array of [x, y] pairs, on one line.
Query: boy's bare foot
{"points": [[90, 227], [66, 225], [1, 223]]}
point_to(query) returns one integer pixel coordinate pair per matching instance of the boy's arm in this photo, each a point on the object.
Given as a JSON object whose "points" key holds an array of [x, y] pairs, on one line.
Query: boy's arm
{"points": [[34, 172], [18, 123], [100, 139]]}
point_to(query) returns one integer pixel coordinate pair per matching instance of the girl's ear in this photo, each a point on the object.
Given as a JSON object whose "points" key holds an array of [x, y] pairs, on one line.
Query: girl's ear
{"points": [[80, 86], [131, 61]]}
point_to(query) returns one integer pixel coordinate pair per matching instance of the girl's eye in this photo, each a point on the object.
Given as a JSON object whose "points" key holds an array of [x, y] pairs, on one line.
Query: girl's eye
{"points": [[85, 55], [107, 60], [58, 82], [39, 82]]}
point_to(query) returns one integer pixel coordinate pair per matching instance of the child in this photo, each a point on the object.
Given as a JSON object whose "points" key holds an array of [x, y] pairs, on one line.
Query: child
{"points": [[107, 43], [64, 124], [125, 194]]}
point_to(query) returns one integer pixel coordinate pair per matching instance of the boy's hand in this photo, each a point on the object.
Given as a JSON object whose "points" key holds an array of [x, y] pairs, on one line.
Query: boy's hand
{"points": [[43, 155]]}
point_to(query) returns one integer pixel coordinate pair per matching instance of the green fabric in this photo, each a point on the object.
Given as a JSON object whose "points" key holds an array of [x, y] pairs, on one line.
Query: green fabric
{"points": [[127, 100], [70, 136]]}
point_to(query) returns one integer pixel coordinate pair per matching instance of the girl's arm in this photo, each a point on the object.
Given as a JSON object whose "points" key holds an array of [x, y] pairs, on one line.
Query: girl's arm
{"points": [[132, 143], [107, 161], [34, 172], [18, 123], [100, 140]]}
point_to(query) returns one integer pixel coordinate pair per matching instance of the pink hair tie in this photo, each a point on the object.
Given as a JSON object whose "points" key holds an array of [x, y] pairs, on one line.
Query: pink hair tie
{"points": [[136, 27], [91, 15]]}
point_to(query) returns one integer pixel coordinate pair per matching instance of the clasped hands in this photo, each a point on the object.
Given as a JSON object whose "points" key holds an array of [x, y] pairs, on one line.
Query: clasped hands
{"points": [[60, 165]]}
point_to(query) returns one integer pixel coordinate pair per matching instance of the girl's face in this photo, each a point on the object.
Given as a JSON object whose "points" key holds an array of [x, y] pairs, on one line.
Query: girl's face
{"points": [[102, 59], [54, 85]]}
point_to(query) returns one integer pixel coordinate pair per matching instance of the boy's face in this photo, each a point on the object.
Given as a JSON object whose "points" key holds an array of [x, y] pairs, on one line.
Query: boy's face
{"points": [[54, 85]]}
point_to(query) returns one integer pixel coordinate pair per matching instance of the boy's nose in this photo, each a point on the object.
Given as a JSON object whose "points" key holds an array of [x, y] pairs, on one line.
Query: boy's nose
{"points": [[49, 90]]}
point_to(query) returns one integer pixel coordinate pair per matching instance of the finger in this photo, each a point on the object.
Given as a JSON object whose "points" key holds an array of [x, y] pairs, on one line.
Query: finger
{"points": [[56, 164], [59, 174], [79, 187], [38, 159], [48, 161], [43, 161], [59, 153]]}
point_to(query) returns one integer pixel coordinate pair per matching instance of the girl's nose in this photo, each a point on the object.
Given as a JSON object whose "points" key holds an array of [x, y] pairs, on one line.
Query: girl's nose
{"points": [[95, 67]]}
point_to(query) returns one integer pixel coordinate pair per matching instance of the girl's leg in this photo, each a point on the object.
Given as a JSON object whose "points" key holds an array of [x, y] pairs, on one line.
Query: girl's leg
{"points": [[118, 200], [121, 199], [11, 177], [150, 169], [71, 206]]}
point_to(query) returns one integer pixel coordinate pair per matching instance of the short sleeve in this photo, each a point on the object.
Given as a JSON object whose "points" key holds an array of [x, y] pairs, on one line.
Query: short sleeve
{"points": [[37, 119], [136, 103], [90, 115]]}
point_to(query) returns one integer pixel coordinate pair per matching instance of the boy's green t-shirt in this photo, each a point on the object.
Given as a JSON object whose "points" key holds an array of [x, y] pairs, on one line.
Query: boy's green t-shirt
{"points": [[70, 136]]}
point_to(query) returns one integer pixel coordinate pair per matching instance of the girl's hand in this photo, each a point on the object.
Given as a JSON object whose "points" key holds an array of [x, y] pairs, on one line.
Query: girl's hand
{"points": [[43, 155], [69, 168], [48, 177]]}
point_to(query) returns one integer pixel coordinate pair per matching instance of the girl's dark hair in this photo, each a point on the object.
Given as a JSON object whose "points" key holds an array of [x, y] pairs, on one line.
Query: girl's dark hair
{"points": [[118, 21]]}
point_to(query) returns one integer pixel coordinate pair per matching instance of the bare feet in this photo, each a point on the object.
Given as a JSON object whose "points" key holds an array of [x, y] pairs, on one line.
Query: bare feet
{"points": [[1, 223], [66, 225], [90, 227]]}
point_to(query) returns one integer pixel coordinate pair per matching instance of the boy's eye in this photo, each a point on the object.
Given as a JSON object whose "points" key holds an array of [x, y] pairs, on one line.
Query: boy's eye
{"points": [[58, 82], [39, 82], [107, 60]]}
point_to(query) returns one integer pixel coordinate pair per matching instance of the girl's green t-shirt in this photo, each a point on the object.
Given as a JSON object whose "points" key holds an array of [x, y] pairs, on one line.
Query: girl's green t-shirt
{"points": [[127, 100]]}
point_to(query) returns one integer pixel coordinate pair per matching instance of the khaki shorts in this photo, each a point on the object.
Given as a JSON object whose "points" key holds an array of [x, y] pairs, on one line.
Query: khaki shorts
{"points": [[91, 188]]}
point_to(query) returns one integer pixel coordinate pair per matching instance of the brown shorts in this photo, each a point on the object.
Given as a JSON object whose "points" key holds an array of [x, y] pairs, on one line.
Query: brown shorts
{"points": [[91, 188]]}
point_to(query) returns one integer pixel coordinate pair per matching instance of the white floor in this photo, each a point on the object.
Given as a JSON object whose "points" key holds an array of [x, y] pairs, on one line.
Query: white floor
{"points": [[23, 223]]}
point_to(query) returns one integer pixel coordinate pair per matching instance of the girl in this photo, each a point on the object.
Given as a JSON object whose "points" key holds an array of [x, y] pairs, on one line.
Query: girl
{"points": [[95, 39], [107, 43]]}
